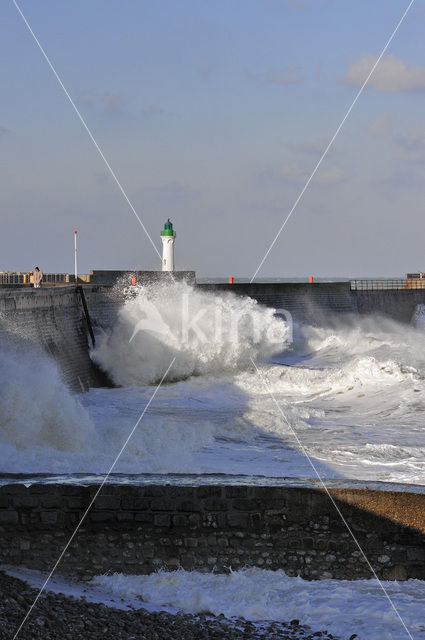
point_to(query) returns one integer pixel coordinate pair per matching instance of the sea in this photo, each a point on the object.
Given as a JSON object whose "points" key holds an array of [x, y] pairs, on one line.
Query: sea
{"points": [[249, 397]]}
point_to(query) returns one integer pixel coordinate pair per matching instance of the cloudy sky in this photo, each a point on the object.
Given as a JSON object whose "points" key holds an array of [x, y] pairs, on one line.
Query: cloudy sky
{"points": [[214, 112]]}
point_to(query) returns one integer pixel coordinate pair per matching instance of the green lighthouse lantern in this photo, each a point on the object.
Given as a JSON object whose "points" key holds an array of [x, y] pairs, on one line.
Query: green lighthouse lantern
{"points": [[168, 229]]}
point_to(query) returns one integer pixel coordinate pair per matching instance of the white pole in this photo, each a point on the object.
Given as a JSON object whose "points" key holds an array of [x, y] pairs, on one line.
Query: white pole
{"points": [[75, 257]]}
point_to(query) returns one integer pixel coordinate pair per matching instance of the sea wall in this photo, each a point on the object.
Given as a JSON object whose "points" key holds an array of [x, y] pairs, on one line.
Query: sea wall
{"points": [[399, 305], [103, 303], [52, 321], [316, 302], [138, 529], [305, 302]]}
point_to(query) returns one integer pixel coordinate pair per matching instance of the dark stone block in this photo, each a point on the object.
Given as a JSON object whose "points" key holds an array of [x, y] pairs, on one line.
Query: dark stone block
{"points": [[187, 562], [221, 519], [188, 505], [194, 520], [209, 492], [244, 504], [162, 504], [76, 502], [416, 571], [143, 516], [49, 517], [107, 490], [240, 520], [155, 492], [107, 502], [321, 544], [236, 492], [26, 501], [8, 517], [215, 504], [415, 555], [180, 520], [162, 520], [125, 516], [135, 503], [70, 490], [308, 543], [52, 502], [15, 489], [180, 492], [102, 516], [256, 520], [190, 542], [266, 494]]}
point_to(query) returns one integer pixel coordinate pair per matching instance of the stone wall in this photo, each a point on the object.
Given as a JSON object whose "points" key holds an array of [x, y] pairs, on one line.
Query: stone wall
{"points": [[50, 321], [314, 303], [306, 302], [103, 303], [398, 305], [135, 529]]}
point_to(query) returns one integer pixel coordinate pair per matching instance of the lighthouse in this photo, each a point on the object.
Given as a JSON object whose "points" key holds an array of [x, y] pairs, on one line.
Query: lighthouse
{"points": [[168, 236]]}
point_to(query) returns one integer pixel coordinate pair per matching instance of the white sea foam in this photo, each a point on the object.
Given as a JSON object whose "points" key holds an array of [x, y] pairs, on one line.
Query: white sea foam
{"points": [[418, 319], [36, 408], [207, 333], [342, 607]]}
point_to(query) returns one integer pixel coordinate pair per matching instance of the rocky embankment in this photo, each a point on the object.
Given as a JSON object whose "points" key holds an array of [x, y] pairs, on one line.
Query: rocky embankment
{"points": [[59, 617]]}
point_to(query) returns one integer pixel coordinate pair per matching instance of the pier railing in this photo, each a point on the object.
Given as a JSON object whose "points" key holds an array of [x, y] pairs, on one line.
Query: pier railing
{"points": [[27, 278], [386, 285]]}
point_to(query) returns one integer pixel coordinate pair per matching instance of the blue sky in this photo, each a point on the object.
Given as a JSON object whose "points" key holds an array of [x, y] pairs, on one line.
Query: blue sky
{"points": [[214, 113]]}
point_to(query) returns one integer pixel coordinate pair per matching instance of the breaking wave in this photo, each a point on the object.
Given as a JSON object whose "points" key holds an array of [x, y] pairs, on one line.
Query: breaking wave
{"points": [[36, 408], [343, 607], [208, 333]]}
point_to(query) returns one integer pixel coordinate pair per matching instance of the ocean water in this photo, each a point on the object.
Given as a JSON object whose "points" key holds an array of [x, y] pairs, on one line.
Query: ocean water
{"points": [[340, 606], [352, 394]]}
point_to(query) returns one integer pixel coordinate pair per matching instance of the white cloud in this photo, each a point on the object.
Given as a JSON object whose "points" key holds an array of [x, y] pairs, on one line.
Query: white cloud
{"points": [[153, 110], [286, 76], [293, 172], [391, 74], [381, 125], [171, 192], [102, 178], [316, 147], [112, 102], [206, 70], [413, 145]]}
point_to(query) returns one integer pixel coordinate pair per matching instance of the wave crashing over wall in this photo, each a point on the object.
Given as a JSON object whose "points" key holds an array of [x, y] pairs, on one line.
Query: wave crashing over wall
{"points": [[207, 333]]}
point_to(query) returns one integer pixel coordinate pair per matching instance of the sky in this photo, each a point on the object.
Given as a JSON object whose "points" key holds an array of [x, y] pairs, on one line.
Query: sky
{"points": [[214, 113]]}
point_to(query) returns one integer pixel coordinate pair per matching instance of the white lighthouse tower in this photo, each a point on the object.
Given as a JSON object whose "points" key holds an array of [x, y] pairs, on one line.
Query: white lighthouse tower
{"points": [[168, 236]]}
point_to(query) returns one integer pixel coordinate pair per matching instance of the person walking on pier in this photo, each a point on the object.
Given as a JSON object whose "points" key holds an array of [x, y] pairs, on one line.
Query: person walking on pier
{"points": [[38, 277]]}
